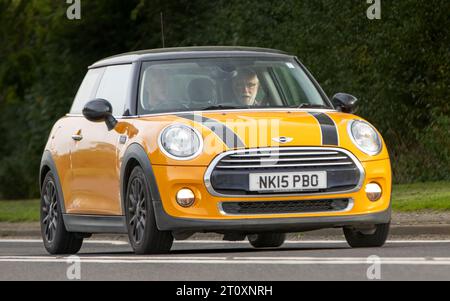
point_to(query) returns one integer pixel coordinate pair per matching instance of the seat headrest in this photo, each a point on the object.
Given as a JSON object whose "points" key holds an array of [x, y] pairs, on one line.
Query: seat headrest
{"points": [[201, 90]]}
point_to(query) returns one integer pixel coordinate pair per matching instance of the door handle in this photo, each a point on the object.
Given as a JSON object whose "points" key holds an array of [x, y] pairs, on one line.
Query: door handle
{"points": [[77, 137]]}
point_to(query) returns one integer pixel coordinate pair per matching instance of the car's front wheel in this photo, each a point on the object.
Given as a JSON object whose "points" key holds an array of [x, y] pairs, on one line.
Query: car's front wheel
{"points": [[54, 234], [357, 239], [144, 236], [267, 240]]}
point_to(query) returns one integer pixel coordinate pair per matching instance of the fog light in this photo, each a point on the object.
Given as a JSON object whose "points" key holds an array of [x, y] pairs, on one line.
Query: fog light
{"points": [[373, 191], [185, 197]]}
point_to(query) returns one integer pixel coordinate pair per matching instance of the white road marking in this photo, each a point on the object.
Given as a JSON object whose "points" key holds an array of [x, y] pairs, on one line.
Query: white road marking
{"points": [[120, 242], [292, 260], [309, 241], [136, 258], [106, 242], [234, 260]]}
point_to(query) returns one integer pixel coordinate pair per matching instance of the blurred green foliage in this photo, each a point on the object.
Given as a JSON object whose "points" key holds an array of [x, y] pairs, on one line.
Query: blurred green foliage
{"points": [[397, 66]]}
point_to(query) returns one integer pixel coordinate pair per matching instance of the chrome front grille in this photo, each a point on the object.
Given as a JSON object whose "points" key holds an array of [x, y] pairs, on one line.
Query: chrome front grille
{"points": [[280, 158], [228, 174]]}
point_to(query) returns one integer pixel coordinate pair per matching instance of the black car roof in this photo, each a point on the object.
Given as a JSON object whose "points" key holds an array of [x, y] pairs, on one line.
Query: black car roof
{"points": [[188, 52]]}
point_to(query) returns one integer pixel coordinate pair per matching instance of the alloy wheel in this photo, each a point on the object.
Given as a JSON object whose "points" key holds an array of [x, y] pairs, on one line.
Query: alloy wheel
{"points": [[50, 211], [137, 209]]}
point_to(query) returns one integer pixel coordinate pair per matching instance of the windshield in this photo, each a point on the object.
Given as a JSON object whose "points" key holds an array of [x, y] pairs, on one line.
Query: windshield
{"points": [[225, 83]]}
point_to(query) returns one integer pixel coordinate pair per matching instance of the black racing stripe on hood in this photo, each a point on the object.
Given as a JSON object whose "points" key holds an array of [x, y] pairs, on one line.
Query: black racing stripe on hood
{"points": [[228, 137], [328, 128]]}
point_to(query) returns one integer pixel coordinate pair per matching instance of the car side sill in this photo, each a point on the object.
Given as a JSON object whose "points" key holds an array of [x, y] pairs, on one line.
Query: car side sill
{"points": [[94, 223]]}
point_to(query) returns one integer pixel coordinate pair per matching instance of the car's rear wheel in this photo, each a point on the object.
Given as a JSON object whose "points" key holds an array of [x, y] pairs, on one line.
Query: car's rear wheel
{"points": [[144, 236], [357, 239], [54, 234], [267, 240]]}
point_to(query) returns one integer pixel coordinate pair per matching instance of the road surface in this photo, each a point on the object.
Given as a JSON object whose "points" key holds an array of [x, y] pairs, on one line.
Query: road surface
{"points": [[26, 259]]}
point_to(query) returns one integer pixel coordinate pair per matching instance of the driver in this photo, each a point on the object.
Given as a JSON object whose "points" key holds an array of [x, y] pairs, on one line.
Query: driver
{"points": [[245, 86]]}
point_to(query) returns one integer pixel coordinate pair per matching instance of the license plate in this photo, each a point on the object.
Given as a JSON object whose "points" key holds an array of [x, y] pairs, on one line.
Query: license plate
{"points": [[288, 181]]}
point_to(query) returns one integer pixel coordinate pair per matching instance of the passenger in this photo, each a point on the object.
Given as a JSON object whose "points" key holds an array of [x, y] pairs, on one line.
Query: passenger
{"points": [[156, 89]]}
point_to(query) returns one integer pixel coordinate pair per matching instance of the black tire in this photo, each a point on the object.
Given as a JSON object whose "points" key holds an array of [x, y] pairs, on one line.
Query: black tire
{"points": [[356, 239], [267, 240], [144, 236], [54, 234]]}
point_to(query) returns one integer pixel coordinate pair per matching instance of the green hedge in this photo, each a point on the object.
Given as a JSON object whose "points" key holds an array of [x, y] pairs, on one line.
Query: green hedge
{"points": [[397, 66]]}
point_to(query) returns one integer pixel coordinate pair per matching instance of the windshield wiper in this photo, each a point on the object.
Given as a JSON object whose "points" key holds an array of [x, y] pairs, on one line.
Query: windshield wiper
{"points": [[311, 106], [222, 107], [230, 107]]}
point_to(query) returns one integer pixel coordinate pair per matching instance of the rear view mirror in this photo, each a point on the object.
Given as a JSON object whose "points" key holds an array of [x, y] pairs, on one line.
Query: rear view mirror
{"points": [[344, 102], [98, 110]]}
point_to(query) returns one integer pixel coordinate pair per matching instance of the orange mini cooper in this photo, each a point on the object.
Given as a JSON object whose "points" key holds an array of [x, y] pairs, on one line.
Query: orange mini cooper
{"points": [[162, 144]]}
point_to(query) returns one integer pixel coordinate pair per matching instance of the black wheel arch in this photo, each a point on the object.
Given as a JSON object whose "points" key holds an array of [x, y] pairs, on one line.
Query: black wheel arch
{"points": [[136, 155], [47, 164]]}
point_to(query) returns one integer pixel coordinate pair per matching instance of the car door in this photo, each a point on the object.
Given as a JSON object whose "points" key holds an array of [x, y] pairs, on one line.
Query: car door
{"points": [[95, 167]]}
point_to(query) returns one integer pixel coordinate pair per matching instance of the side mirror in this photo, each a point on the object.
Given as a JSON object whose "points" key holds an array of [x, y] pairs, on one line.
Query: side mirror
{"points": [[344, 102], [98, 110]]}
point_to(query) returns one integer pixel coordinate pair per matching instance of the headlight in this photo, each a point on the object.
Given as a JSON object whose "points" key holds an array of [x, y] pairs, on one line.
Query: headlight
{"points": [[180, 142], [364, 137]]}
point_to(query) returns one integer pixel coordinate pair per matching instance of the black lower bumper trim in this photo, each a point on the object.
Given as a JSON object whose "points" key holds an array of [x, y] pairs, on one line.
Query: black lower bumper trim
{"points": [[300, 224], [95, 223], [275, 207]]}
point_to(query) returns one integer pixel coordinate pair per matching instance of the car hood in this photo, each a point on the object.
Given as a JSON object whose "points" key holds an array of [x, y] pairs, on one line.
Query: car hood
{"points": [[233, 129]]}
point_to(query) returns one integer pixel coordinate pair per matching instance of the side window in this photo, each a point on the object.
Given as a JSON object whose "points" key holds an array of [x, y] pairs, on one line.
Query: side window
{"points": [[86, 92], [114, 87]]}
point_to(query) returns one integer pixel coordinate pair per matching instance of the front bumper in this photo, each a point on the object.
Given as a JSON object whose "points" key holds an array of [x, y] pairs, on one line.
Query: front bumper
{"points": [[169, 179], [292, 224]]}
